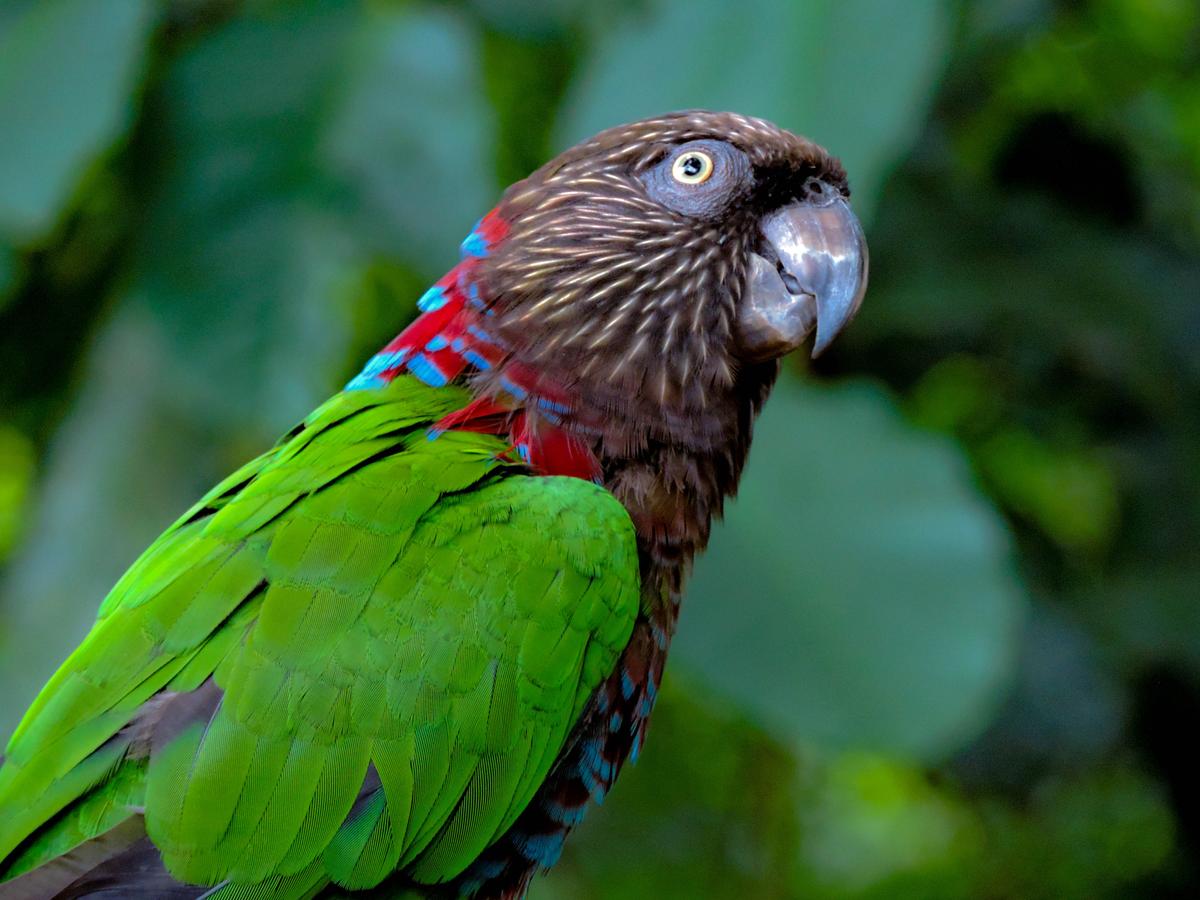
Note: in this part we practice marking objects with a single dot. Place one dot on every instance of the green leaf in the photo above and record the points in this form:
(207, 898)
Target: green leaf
(304, 146)
(1088, 335)
(871, 822)
(17, 465)
(418, 161)
(854, 75)
(540, 20)
(293, 151)
(8, 273)
(860, 592)
(68, 70)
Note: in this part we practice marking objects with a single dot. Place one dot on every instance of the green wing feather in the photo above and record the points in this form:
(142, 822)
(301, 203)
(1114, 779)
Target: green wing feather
(374, 606)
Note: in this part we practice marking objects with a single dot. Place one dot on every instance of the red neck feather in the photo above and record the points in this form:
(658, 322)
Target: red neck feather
(449, 341)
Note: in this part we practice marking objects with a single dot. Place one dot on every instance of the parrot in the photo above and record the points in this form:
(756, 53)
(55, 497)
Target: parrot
(400, 653)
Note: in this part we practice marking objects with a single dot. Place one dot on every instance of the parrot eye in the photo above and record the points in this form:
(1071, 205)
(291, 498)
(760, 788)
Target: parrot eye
(700, 179)
(692, 167)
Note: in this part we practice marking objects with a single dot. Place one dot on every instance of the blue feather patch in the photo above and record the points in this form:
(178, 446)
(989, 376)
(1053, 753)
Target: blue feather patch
(544, 849)
(476, 360)
(380, 362)
(475, 245)
(434, 298)
(591, 752)
(660, 635)
(476, 332)
(567, 815)
(426, 369)
(364, 383)
(627, 684)
(517, 392)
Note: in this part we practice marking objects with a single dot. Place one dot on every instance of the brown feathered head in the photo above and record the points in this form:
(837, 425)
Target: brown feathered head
(621, 313)
(659, 259)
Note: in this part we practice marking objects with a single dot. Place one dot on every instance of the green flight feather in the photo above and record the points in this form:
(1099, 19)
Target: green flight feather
(371, 604)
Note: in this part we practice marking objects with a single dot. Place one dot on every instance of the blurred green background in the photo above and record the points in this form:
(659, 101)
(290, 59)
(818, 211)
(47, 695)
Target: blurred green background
(947, 644)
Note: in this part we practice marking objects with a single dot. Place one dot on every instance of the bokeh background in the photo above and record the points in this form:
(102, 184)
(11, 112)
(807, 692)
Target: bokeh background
(947, 644)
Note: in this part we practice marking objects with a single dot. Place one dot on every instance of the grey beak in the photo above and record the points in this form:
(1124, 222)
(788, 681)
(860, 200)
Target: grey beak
(818, 277)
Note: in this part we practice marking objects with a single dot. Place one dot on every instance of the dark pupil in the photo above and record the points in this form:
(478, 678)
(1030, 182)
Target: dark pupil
(692, 166)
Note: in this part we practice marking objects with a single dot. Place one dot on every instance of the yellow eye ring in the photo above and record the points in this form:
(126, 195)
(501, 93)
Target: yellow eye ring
(692, 167)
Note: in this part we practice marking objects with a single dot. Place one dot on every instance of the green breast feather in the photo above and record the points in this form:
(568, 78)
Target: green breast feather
(368, 606)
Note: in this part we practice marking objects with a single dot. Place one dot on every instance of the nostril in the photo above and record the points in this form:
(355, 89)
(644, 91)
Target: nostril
(815, 190)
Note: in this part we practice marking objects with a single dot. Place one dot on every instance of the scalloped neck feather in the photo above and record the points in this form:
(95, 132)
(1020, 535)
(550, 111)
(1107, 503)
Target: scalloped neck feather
(450, 340)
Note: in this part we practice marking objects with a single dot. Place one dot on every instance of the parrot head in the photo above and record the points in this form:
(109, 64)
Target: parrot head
(661, 259)
(621, 313)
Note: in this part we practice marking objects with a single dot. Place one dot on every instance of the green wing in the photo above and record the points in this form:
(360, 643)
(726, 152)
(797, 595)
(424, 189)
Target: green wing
(362, 651)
